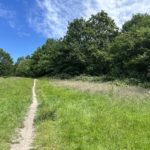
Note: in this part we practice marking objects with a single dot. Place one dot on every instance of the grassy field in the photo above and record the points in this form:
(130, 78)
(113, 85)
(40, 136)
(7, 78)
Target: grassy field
(15, 97)
(69, 118)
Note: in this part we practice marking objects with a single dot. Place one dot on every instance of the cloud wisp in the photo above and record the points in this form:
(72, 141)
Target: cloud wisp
(119, 10)
(51, 17)
(10, 17)
(7, 15)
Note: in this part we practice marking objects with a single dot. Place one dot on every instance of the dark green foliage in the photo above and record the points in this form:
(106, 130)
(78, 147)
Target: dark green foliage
(6, 63)
(68, 61)
(87, 41)
(130, 53)
(138, 21)
(23, 67)
(42, 59)
(73, 51)
(102, 30)
(81, 50)
(93, 47)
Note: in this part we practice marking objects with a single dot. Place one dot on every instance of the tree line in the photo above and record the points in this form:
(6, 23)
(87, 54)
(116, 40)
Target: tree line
(92, 47)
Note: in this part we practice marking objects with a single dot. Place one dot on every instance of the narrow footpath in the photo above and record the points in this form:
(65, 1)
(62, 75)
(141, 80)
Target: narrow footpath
(26, 134)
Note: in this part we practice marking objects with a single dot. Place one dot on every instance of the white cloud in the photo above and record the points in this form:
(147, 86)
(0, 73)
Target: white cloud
(50, 17)
(119, 10)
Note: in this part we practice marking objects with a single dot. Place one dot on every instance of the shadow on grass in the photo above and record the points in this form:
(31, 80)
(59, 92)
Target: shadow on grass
(46, 115)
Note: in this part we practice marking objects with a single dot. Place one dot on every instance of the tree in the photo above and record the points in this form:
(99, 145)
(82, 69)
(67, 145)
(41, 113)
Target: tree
(102, 30)
(68, 60)
(131, 54)
(99, 32)
(6, 63)
(96, 47)
(42, 58)
(75, 32)
(138, 21)
(87, 41)
(73, 48)
(23, 67)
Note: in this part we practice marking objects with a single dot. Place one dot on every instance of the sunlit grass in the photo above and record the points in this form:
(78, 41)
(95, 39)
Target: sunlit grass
(15, 97)
(70, 119)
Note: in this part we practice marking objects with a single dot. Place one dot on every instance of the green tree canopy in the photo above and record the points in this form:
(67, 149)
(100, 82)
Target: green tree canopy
(131, 54)
(86, 41)
(102, 29)
(6, 63)
(95, 47)
(138, 21)
(42, 58)
(23, 67)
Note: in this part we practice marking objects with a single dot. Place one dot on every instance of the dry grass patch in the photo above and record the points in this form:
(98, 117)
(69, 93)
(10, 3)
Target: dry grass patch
(107, 87)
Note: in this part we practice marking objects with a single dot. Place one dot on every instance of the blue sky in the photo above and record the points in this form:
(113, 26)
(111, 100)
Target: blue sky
(26, 24)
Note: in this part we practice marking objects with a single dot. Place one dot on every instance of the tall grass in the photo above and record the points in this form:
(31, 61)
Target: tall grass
(69, 119)
(15, 97)
(106, 78)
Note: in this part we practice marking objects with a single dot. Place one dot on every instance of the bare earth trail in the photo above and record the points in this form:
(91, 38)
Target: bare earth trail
(26, 134)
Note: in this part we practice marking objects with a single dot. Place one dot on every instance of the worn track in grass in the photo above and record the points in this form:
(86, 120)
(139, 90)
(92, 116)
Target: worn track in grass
(26, 134)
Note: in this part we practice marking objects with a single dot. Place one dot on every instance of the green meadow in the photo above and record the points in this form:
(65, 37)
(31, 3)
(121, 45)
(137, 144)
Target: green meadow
(74, 119)
(15, 98)
(71, 116)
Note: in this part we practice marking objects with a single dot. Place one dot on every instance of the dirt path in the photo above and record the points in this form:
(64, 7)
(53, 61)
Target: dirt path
(26, 134)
